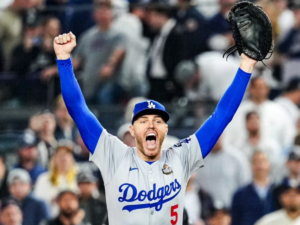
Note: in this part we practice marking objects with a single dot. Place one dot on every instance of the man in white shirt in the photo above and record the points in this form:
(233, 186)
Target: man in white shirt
(290, 214)
(275, 122)
(291, 99)
(224, 172)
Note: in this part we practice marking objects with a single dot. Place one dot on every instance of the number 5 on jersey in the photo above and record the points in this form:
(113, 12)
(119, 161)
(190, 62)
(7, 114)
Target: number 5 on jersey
(174, 214)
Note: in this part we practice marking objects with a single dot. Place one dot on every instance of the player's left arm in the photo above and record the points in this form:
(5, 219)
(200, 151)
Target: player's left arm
(210, 131)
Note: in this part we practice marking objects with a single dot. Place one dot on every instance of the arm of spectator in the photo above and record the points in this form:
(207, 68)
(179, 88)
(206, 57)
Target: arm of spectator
(210, 131)
(115, 60)
(89, 127)
(49, 72)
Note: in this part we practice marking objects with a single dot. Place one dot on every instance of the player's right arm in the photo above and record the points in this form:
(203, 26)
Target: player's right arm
(88, 125)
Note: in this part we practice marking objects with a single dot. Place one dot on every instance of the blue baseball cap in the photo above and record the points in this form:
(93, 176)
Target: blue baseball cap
(149, 107)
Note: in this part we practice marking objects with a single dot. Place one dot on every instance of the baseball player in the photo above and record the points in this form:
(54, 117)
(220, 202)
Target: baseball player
(145, 185)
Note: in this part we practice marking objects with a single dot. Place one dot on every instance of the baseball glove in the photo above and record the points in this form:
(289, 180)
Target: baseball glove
(251, 30)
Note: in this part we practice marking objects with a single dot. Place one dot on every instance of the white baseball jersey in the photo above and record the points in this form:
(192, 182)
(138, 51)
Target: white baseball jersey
(141, 194)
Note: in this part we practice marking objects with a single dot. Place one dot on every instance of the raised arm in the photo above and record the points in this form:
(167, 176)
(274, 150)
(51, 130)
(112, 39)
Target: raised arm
(210, 131)
(88, 125)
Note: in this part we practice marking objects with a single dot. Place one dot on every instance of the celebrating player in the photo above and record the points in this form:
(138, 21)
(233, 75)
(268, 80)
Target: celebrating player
(145, 185)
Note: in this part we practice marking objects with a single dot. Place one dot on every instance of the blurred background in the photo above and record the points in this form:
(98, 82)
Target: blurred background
(127, 51)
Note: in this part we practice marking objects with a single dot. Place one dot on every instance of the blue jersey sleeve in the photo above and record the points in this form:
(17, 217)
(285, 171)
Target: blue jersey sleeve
(210, 131)
(88, 125)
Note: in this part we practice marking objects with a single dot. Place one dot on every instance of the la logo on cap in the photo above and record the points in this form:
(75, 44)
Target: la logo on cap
(151, 105)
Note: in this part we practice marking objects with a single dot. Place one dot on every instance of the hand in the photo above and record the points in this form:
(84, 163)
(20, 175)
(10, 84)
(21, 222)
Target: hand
(78, 217)
(63, 45)
(106, 71)
(36, 123)
(247, 64)
(49, 72)
(28, 43)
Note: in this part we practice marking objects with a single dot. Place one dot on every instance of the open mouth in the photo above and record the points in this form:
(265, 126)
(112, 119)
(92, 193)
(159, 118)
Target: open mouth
(151, 140)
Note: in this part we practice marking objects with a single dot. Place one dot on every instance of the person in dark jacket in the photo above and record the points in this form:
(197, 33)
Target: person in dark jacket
(167, 50)
(293, 165)
(34, 210)
(90, 200)
(4, 192)
(255, 200)
(69, 210)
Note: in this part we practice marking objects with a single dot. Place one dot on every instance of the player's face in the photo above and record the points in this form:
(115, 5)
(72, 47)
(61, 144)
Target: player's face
(149, 132)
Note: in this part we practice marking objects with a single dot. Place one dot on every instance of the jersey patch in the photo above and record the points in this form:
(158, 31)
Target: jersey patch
(167, 169)
(130, 194)
(186, 140)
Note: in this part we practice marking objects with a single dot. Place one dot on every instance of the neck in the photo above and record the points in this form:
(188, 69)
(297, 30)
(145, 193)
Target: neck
(65, 124)
(63, 171)
(258, 101)
(47, 137)
(293, 215)
(184, 5)
(294, 176)
(261, 181)
(147, 158)
(64, 220)
(28, 164)
(104, 27)
(254, 133)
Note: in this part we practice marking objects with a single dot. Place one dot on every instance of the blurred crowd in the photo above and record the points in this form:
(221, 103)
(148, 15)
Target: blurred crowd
(170, 51)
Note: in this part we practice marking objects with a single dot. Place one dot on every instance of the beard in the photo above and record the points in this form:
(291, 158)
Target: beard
(292, 208)
(140, 139)
(67, 213)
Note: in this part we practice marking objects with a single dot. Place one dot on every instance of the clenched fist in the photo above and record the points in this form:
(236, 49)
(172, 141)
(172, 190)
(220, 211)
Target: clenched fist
(63, 45)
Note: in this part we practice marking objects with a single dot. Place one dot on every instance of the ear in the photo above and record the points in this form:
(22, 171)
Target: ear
(131, 130)
(167, 129)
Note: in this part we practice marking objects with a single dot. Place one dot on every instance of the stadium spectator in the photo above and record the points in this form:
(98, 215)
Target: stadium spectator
(69, 211)
(254, 141)
(197, 203)
(219, 216)
(100, 53)
(11, 29)
(33, 61)
(290, 214)
(167, 50)
(65, 128)
(51, 27)
(90, 200)
(288, 43)
(281, 130)
(221, 179)
(34, 210)
(286, 17)
(28, 157)
(43, 125)
(133, 77)
(124, 135)
(81, 155)
(291, 99)
(288, 46)
(293, 176)
(191, 23)
(11, 213)
(253, 201)
(4, 192)
(202, 80)
(220, 33)
(61, 176)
